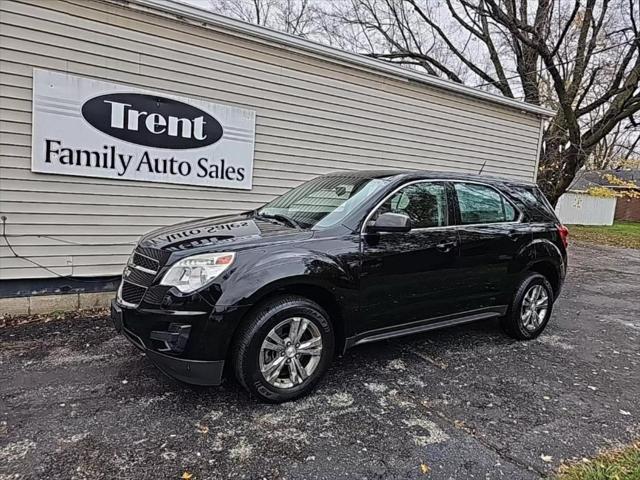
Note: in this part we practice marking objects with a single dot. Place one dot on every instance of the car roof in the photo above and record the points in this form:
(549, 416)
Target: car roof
(430, 174)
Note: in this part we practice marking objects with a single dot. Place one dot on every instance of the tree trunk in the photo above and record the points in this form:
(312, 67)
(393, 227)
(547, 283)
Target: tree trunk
(558, 168)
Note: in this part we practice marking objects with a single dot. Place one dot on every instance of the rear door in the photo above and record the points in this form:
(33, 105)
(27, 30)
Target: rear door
(491, 235)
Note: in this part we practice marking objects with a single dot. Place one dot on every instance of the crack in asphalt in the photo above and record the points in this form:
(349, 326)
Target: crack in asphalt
(498, 451)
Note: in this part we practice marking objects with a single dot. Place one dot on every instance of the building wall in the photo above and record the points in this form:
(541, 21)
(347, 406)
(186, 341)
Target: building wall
(584, 209)
(314, 115)
(628, 209)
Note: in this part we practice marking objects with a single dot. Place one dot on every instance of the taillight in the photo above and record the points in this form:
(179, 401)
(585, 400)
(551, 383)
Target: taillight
(564, 235)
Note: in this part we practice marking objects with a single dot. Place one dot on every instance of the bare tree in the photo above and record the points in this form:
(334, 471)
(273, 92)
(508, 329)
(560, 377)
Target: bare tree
(620, 149)
(580, 58)
(297, 17)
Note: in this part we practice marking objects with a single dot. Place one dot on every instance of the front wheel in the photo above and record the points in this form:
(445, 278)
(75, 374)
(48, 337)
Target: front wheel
(284, 349)
(530, 308)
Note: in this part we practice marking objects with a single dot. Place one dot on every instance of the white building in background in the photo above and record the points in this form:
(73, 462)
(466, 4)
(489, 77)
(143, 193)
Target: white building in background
(580, 208)
(107, 109)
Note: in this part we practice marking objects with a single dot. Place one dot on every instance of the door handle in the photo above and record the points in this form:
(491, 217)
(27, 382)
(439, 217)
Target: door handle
(445, 246)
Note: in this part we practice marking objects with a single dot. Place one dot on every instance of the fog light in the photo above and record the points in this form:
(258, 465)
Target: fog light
(174, 339)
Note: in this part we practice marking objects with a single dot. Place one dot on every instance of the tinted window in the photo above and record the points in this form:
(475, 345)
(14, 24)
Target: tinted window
(424, 203)
(482, 204)
(538, 207)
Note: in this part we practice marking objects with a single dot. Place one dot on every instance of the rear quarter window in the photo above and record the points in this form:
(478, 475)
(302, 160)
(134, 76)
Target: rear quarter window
(535, 204)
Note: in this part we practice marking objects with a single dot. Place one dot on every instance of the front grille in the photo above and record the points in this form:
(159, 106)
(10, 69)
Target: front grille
(132, 293)
(139, 275)
(144, 279)
(145, 262)
(161, 256)
(156, 294)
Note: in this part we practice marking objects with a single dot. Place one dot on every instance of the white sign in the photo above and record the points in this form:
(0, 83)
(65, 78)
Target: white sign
(92, 128)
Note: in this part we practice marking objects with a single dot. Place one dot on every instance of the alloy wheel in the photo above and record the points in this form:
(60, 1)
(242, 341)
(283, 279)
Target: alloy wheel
(535, 305)
(290, 352)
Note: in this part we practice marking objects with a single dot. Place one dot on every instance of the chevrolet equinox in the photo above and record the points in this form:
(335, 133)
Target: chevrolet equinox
(271, 295)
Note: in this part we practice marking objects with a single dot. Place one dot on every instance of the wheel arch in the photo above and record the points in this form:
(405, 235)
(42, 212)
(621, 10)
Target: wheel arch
(544, 257)
(320, 294)
(548, 269)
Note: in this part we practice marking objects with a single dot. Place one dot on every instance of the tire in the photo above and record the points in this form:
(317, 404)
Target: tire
(250, 356)
(517, 323)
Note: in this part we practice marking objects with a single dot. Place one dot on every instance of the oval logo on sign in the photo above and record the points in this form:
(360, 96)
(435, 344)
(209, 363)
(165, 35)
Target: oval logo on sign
(152, 121)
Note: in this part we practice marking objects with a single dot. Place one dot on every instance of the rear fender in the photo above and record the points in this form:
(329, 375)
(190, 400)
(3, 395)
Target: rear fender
(540, 251)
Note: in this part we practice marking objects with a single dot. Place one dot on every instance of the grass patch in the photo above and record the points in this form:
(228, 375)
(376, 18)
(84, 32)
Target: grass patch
(619, 464)
(620, 234)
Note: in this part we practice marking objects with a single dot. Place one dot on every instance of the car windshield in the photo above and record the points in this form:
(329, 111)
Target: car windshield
(321, 202)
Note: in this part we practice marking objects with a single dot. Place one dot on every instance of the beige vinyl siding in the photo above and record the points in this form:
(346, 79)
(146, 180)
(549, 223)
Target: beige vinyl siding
(314, 115)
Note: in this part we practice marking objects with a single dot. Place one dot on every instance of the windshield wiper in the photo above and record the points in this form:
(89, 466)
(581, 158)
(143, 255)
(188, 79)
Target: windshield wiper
(282, 218)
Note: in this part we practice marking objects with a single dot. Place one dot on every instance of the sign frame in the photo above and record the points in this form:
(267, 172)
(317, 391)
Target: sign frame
(93, 128)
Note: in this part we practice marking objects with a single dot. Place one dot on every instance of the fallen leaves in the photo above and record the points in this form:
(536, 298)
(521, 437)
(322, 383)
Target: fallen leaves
(460, 425)
(18, 320)
(186, 475)
(424, 468)
(620, 234)
(203, 429)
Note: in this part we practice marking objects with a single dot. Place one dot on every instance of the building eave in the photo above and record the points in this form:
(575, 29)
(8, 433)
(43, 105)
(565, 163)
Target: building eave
(182, 11)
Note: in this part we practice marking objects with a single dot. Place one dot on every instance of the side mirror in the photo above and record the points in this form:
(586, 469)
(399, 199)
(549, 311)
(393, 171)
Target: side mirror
(391, 222)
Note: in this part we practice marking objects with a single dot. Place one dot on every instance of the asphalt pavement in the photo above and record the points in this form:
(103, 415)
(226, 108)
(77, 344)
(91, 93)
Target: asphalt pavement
(78, 402)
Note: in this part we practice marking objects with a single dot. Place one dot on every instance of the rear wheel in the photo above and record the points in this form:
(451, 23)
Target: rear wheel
(530, 308)
(284, 349)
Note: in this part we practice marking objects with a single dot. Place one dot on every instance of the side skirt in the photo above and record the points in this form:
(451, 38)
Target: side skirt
(424, 326)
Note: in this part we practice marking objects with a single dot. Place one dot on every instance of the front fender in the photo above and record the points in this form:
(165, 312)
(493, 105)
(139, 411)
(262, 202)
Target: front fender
(277, 270)
(305, 269)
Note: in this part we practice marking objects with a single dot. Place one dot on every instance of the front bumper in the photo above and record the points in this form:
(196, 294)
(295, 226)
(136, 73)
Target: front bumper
(196, 372)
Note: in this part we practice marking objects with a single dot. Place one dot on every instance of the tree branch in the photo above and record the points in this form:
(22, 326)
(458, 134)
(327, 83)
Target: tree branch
(566, 28)
(474, 68)
(536, 42)
(622, 107)
(614, 89)
(495, 58)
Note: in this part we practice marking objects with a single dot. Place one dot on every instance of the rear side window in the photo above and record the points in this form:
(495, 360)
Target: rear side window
(424, 203)
(538, 206)
(483, 204)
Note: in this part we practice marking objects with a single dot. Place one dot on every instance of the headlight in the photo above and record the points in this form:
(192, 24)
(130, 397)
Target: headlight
(192, 273)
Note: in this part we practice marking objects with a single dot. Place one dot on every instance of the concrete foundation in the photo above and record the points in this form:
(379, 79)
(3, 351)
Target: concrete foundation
(43, 304)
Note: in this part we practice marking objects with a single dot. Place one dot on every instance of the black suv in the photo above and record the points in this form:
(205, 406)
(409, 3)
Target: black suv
(344, 259)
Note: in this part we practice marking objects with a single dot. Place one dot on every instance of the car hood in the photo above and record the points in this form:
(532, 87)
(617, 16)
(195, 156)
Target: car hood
(226, 231)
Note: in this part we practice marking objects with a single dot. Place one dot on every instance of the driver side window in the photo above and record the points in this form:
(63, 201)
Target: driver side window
(424, 203)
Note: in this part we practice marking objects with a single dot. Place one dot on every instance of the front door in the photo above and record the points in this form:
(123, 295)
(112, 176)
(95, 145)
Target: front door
(406, 277)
